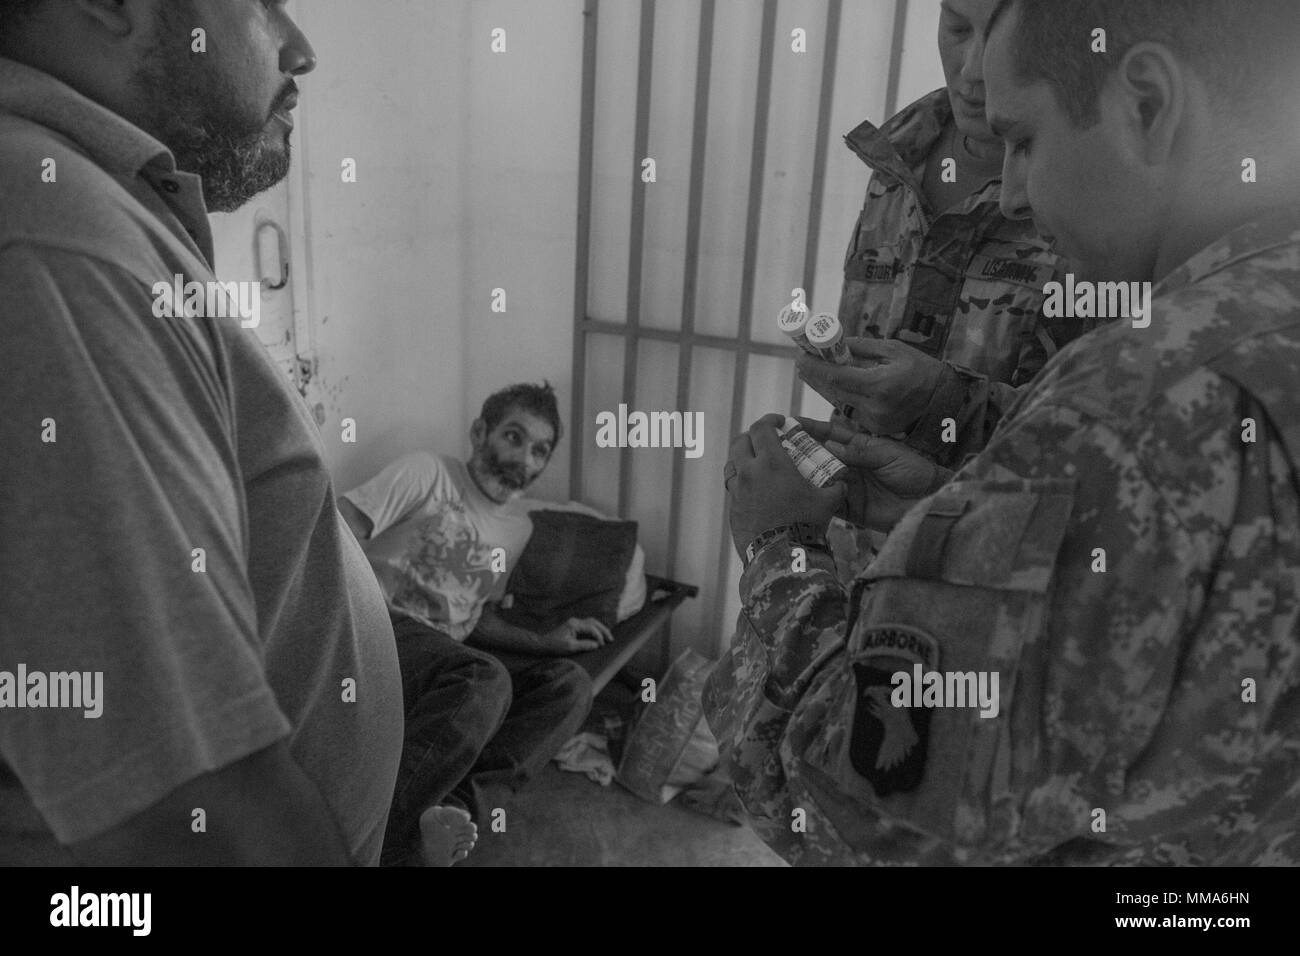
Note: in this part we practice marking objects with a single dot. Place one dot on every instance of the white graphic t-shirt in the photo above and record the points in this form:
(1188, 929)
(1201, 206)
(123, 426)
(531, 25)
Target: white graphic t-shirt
(434, 538)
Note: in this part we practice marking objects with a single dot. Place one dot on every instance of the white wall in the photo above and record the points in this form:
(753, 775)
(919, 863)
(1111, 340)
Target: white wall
(922, 70)
(520, 205)
(387, 254)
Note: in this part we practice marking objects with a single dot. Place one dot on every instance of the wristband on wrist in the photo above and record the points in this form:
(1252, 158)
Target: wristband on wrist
(803, 534)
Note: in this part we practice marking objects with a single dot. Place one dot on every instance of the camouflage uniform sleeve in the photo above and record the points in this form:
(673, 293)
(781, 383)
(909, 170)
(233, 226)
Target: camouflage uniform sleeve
(791, 635)
(791, 623)
(1093, 682)
(1165, 597)
(976, 403)
(797, 616)
(973, 402)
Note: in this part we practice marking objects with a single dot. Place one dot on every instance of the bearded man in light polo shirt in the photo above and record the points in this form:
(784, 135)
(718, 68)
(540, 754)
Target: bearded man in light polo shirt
(131, 441)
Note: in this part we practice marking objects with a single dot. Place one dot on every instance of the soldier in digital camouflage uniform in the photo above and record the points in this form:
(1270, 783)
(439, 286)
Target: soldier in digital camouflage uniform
(1125, 553)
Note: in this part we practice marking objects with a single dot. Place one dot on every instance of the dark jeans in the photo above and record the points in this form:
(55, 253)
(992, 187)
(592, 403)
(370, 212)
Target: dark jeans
(477, 727)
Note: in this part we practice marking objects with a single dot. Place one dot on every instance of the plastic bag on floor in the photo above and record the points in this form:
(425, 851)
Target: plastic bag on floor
(671, 747)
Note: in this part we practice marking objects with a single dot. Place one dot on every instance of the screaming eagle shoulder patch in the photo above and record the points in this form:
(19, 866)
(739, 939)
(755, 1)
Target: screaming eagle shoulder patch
(888, 745)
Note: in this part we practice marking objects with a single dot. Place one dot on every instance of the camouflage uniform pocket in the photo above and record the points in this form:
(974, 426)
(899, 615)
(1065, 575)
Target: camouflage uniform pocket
(998, 311)
(960, 590)
(870, 285)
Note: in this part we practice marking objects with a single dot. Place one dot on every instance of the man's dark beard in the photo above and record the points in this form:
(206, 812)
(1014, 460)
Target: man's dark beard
(234, 170)
(512, 478)
(194, 113)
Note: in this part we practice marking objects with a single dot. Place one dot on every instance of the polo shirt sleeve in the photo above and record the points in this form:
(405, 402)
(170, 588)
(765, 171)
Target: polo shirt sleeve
(123, 547)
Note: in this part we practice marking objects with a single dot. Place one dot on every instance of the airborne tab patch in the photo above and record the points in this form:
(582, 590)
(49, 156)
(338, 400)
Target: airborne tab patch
(889, 743)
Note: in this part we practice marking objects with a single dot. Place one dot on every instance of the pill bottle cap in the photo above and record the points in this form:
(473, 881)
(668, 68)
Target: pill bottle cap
(824, 330)
(792, 320)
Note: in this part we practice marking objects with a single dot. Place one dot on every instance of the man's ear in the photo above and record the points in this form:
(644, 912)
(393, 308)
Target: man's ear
(1153, 84)
(478, 432)
(118, 17)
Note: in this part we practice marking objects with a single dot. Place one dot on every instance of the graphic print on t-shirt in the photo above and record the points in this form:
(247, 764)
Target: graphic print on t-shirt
(446, 570)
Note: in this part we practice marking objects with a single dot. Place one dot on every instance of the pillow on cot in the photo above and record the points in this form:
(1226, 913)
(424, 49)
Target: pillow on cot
(574, 565)
(634, 593)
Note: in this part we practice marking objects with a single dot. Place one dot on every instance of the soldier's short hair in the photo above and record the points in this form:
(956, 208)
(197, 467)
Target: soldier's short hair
(1241, 49)
(536, 400)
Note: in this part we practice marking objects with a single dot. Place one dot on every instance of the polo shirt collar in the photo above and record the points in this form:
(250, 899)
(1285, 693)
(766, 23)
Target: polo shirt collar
(116, 145)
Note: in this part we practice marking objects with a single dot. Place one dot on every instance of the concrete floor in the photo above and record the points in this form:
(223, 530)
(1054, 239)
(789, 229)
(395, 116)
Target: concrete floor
(564, 819)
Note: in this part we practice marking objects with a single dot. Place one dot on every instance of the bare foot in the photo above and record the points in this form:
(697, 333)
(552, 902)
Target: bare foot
(447, 835)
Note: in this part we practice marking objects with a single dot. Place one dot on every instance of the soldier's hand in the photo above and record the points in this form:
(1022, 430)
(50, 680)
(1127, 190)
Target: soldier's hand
(886, 477)
(889, 383)
(767, 490)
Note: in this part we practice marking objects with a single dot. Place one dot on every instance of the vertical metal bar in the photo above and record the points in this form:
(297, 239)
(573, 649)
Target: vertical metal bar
(896, 58)
(821, 150)
(757, 174)
(694, 203)
(644, 82)
(796, 392)
(582, 263)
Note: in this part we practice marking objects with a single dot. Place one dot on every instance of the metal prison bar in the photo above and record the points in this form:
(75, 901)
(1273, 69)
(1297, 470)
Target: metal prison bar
(686, 338)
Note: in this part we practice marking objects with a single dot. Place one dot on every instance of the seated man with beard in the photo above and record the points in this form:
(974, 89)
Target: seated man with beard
(441, 535)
